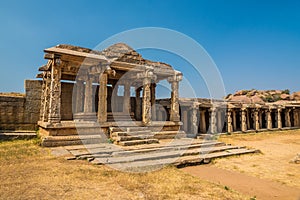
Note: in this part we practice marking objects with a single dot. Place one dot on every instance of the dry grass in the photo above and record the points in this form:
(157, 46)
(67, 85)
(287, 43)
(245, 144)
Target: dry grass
(278, 148)
(30, 172)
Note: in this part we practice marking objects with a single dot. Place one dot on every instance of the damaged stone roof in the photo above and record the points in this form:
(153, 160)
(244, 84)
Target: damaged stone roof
(117, 52)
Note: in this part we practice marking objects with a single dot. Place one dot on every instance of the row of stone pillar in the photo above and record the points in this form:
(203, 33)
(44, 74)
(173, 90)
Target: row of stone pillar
(214, 120)
(51, 96)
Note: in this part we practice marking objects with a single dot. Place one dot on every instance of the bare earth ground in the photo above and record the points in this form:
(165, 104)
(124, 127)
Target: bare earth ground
(31, 172)
(268, 175)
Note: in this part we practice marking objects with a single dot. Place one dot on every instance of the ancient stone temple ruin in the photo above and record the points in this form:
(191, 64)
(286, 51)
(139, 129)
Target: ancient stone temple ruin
(90, 96)
(80, 91)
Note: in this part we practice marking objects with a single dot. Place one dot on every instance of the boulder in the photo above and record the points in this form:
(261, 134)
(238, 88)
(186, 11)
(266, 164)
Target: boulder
(295, 96)
(285, 97)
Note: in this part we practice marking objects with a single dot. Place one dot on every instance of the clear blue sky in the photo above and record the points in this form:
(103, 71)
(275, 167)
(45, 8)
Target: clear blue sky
(255, 44)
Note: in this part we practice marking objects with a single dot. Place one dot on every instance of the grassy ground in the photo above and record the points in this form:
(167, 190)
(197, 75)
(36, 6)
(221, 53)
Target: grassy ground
(31, 172)
(278, 149)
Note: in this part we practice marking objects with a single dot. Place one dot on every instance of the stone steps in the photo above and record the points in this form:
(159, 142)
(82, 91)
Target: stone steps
(134, 137)
(120, 117)
(183, 161)
(138, 142)
(169, 134)
(168, 148)
(133, 133)
(182, 153)
(129, 136)
(54, 141)
(168, 154)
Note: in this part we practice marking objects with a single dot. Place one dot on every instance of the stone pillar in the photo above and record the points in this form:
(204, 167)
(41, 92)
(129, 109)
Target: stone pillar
(114, 97)
(229, 121)
(269, 119)
(44, 111)
(260, 118)
(138, 103)
(160, 114)
(147, 76)
(213, 128)
(174, 111)
(287, 118)
(102, 104)
(126, 98)
(88, 95)
(79, 96)
(296, 119)
(202, 121)
(234, 120)
(185, 120)
(279, 121)
(153, 87)
(194, 119)
(219, 121)
(55, 94)
(256, 119)
(248, 118)
(244, 120)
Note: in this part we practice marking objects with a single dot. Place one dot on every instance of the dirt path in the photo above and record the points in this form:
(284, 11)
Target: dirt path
(261, 188)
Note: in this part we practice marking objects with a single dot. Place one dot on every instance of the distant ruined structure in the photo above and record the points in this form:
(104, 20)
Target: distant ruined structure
(79, 93)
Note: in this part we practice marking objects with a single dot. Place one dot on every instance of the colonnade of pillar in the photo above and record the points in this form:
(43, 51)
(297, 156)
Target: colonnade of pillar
(217, 120)
(51, 98)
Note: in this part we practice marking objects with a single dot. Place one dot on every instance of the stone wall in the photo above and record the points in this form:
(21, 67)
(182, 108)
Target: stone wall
(19, 112)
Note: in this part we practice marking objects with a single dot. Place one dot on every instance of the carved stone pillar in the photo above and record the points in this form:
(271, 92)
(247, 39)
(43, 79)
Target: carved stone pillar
(244, 120)
(55, 94)
(256, 119)
(260, 114)
(185, 120)
(194, 119)
(229, 121)
(202, 121)
(279, 121)
(160, 114)
(153, 87)
(79, 96)
(248, 113)
(147, 76)
(213, 127)
(287, 118)
(269, 119)
(44, 111)
(174, 111)
(138, 103)
(234, 120)
(219, 121)
(114, 97)
(126, 98)
(88, 95)
(296, 117)
(102, 104)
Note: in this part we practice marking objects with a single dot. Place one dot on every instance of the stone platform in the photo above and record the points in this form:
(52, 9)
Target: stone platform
(13, 135)
(75, 133)
(179, 152)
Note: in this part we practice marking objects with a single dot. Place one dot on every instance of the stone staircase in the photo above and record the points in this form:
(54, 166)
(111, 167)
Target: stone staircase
(85, 136)
(119, 116)
(128, 136)
(67, 140)
(181, 153)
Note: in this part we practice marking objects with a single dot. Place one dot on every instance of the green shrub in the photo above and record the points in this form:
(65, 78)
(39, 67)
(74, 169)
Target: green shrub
(287, 91)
